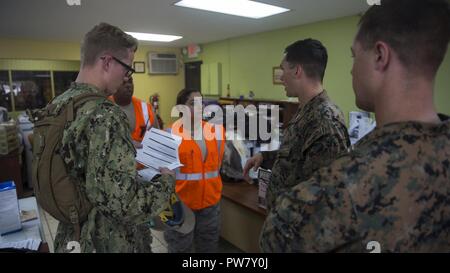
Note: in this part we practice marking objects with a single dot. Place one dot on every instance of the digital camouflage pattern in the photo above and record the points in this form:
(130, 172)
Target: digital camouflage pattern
(394, 188)
(313, 138)
(99, 154)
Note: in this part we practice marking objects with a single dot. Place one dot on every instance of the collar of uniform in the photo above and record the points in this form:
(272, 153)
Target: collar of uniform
(413, 128)
(317, 98)
(87, 88)
(443, 117)
(310, 104)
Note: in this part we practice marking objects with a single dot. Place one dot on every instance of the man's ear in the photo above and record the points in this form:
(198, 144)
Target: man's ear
(298, 71)
(105, 63)
(383, 55)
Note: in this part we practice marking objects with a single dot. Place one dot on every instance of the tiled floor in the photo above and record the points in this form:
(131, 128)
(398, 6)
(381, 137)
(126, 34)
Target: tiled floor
(50, 225)
(159, 245)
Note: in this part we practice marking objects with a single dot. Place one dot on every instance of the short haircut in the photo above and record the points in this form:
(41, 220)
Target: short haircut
(184, 94)
(417, 30)
(105, 38)
(311, 55)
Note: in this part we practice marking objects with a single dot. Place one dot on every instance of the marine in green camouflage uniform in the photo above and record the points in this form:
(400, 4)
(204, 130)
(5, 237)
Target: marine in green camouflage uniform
(392, 189)
(314, 137)
(100, 155)
(392, 192)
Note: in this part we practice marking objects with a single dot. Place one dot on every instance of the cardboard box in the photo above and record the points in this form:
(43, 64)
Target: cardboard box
(8, 138)
(9, 208)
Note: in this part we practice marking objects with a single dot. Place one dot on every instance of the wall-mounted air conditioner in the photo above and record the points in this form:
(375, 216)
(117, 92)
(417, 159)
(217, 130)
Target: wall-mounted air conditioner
(162, 63)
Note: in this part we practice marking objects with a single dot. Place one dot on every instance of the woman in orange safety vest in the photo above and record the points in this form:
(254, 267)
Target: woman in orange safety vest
(198, 182)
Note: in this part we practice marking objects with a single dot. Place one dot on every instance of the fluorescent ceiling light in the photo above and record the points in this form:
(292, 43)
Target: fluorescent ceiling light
(243, 8)
(154, 37)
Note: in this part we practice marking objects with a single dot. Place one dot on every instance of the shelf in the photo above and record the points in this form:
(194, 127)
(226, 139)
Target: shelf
(287, 109)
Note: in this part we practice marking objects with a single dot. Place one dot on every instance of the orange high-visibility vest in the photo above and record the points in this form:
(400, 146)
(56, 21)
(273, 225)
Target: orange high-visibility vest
(141, 117)
(198, 182)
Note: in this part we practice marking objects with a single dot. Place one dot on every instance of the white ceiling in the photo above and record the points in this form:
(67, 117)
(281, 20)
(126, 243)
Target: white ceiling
(56, 20)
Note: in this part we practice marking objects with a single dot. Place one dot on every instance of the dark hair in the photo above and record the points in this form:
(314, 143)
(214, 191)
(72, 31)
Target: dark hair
(311, 55)
(105, 38)
(417, 30)
(184, 94)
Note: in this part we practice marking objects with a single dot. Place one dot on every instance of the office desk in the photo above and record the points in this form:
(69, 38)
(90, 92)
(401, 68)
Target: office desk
(31, 229)
(242, 218)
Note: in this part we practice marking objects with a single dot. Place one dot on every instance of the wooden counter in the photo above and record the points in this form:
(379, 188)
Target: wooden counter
(242, 218)
(244, 194)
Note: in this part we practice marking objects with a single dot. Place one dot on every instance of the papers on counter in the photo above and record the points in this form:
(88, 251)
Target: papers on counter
(159, 149)
(31, 244)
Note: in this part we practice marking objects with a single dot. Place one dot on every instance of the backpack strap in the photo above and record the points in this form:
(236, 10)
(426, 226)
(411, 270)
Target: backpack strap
(74, 104)
(81, 99)
(78, 101)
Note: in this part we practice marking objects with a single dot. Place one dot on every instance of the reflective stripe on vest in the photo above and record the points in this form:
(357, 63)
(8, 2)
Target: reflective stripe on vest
(195, 176)
(145, 113)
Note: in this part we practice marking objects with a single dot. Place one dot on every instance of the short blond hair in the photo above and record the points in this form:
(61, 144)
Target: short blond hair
(105, 38)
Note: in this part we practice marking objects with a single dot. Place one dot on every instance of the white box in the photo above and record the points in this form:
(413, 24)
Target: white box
(9, 208)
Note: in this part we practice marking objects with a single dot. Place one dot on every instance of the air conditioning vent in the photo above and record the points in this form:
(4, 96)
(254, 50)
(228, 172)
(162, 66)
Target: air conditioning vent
(163, 63)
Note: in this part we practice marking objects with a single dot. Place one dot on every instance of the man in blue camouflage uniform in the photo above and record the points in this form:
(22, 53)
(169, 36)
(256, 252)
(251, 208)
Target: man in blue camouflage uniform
(99, 153)
(393, 190)
(317, 134)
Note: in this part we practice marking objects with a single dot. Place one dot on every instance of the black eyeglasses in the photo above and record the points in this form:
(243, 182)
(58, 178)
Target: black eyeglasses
(130, 70)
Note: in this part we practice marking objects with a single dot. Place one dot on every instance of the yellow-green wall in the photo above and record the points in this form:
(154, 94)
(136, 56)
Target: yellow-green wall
(167, 86)
(39, 65)
(247, 62)
(55, 54)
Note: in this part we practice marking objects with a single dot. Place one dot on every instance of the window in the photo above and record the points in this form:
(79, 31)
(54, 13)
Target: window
(5, 90)
(62, 80)
(31, 89)
(30, 84)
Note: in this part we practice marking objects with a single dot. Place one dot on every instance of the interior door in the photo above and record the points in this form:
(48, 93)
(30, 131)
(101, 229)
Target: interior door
(192, 74)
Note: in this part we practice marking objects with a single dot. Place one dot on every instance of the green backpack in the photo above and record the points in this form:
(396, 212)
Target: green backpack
(56, 192)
